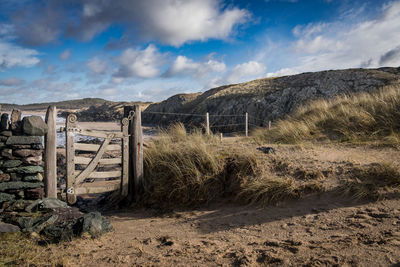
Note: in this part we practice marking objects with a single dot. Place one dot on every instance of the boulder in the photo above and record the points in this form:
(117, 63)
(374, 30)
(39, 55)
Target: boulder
(94, 224)
(26, 169)
(4, 122)
(16, 115)
(18, 185)
(34, 125)
(46, 204)
(8, 228)
(6, 197)
(5, 177)
(11, 163)
(25, 153)
(33, 178)
(6, 133)
(33, 160)
(24, 140)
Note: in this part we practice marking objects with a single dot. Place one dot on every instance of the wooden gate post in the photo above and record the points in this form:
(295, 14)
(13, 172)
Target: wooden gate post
(70, 157)
(136, 144)
(207, 123)
(125, 158)
(50, 154)
(247, 124)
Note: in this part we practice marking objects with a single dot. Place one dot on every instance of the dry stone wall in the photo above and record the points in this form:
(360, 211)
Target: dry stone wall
(21, 160)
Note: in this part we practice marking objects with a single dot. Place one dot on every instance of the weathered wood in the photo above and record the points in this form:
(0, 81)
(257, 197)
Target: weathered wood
(247, 124)
(85, 161)
(136, 186)
(93, 163)
(220, 137)
(95, 148)
(98, 187)
(99, 134)
(110, 174)
(50, 154)
(125, 158)
(207, 123)
(269, 125)
(70, 155)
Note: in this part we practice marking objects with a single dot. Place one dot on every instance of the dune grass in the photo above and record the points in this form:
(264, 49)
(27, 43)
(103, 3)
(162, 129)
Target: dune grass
(366, 182)
(189, 169)
(359, 118)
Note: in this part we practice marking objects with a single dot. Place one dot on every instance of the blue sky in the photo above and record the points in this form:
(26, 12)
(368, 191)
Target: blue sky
(131, 50)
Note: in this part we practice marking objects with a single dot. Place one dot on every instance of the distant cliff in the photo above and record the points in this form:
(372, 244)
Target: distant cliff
(268, 98)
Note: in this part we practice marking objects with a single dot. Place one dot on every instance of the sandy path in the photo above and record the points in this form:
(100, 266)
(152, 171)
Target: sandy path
(315, 232)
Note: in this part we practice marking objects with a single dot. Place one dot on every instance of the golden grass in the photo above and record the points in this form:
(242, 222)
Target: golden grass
(189, 169)
(359, 118)
(18, 249)
(367, 181)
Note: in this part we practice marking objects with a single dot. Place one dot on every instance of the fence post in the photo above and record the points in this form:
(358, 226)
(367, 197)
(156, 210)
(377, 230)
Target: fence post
(50, 154)
(269, 125)
(207, 123)
(247, 124)
(220, 137)
(136, 141)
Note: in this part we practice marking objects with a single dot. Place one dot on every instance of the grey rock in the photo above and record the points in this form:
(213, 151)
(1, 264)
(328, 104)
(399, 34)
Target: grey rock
(6, 133)
(7, 153)
(16, 205)
(26, 169)
(33, 160)
(46, 204)
(11, 163)
(8, 228)
(39, 225)
(24, 140)
(5, 177)
(18, 185)
(27, 153)
(6, 197)
(34, 125)
(16, 115)
(4, 122)
(94, 224)
(33, 178)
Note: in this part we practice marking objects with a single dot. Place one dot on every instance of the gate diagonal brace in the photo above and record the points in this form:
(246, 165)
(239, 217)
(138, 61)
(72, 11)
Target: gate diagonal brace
(92, 165)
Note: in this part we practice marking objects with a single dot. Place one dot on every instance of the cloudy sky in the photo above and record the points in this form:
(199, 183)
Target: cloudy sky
(136, 50)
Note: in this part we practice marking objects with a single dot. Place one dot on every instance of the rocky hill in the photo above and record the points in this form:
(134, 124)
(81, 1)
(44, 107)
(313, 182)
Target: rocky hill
(269, 98)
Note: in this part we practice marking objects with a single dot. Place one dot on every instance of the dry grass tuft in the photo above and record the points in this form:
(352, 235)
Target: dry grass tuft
(188, 169)
(359, 118)
(368, 180)
(268, 190)
(17, 249)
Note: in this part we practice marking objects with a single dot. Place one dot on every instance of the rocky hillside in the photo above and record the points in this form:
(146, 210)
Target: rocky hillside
(269, 98)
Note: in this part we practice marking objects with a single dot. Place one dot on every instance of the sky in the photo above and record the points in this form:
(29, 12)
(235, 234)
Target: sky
(136, 50)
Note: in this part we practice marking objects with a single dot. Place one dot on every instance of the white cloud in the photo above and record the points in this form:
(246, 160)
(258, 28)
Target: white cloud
(246, 71)
(97, 66)
(12, 55)
(139, 63)
(186, 66)
(369, 43)
(173, 22)
(65, 55)
(11, 82)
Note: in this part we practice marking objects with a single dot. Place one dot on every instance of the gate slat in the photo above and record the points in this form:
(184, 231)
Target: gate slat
(95, 148)
(84, 161)
(93, 188)
(110, 174)
(93, 163)
(92, 133)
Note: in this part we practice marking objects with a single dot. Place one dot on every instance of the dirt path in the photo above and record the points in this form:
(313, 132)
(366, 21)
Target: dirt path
(321, 230)
(314, 232)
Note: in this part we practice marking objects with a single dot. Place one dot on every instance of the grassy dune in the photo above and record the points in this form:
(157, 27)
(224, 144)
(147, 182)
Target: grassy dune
(359, 118)
(190, 169)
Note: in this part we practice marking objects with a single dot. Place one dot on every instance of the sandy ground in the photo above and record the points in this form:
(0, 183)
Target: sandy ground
(324, 229)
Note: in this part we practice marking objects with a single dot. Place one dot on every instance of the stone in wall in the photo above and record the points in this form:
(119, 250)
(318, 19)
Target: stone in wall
(21, 163)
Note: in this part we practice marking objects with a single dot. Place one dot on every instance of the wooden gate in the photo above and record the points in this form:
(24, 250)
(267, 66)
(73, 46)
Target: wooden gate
(89, 180)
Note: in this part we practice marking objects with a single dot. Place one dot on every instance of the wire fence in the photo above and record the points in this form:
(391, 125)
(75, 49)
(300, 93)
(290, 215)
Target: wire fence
(228, 124)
